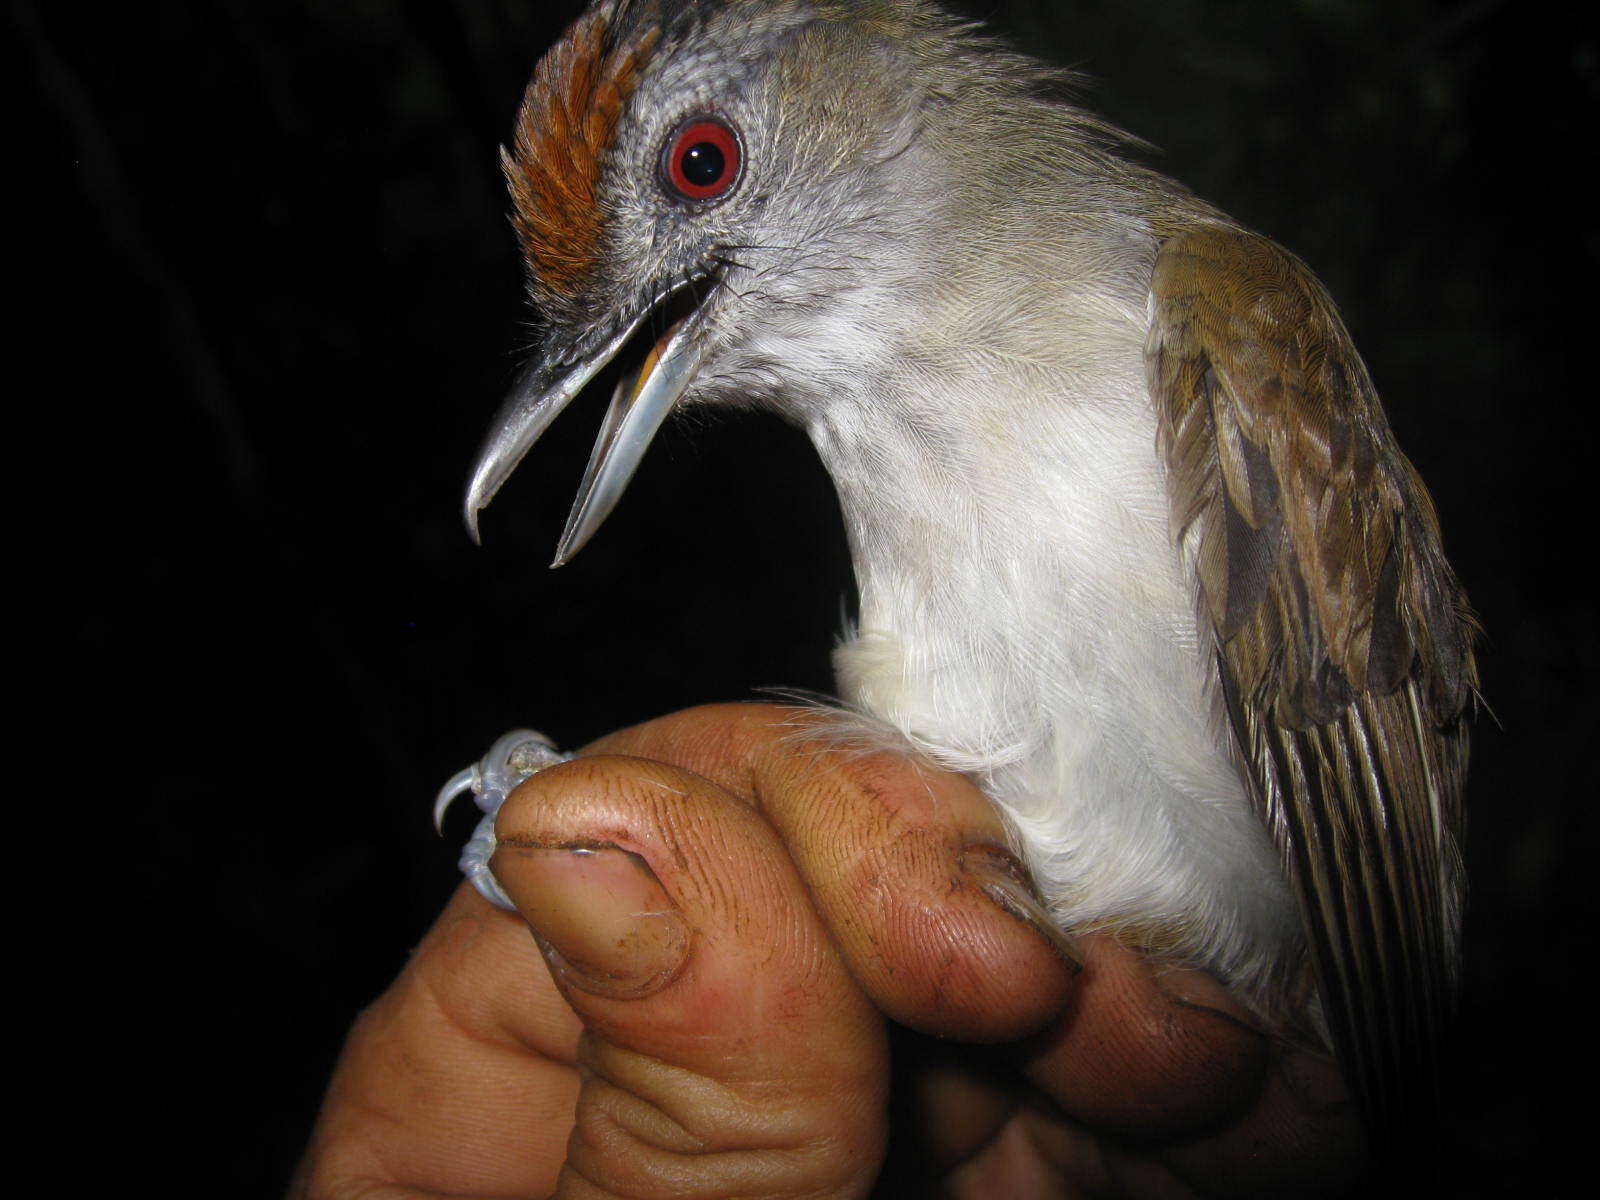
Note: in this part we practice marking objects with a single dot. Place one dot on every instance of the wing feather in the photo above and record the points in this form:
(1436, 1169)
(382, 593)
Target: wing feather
(1343, 641)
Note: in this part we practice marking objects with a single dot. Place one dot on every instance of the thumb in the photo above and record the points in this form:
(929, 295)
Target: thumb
(726, 1050)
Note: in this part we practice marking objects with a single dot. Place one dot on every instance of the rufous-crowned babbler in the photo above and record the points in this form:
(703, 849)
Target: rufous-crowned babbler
(1135, 546)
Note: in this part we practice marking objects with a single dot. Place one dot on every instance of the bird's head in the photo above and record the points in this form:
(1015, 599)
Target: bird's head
(714, 193)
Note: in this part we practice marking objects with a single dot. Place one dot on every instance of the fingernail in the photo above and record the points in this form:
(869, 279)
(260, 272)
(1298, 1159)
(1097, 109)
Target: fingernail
(1202, 992)
(600, 915)
(1004, 880)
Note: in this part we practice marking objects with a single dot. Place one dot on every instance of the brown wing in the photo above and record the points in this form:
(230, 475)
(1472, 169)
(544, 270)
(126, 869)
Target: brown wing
(1343, 640)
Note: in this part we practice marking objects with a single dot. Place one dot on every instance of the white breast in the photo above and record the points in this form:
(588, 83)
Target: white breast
(1026, 617)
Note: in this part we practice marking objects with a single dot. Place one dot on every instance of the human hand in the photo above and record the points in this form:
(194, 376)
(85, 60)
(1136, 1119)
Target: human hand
(728, 915)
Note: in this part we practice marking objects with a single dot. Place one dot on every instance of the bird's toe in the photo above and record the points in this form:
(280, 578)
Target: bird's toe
(513, 757)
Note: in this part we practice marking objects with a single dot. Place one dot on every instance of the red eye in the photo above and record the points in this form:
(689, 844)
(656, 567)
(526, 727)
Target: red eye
(701, 160)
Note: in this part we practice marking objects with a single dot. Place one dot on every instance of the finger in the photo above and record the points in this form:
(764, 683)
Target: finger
(1143, 1051)
(1302, 1136)
(460, 1080)
(1149, 1050)
(908, 866)
(1166, 1062)
(726, 1049)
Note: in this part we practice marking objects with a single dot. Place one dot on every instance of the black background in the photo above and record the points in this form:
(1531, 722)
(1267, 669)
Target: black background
(282, 299)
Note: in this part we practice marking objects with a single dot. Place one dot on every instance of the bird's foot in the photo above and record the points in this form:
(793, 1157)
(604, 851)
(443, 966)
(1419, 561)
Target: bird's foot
(513, 757)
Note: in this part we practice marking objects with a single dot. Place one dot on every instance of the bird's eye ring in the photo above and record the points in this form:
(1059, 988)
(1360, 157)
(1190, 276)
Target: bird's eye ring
(702, 158)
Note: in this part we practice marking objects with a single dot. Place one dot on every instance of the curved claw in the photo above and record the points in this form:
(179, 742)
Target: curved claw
(474, 864)
(466, 779)
(513, 757)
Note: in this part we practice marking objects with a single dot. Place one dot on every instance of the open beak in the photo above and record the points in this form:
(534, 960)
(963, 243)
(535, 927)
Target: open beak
(643, 398)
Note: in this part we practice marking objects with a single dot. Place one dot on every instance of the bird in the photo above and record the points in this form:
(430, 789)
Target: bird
(1135, 546)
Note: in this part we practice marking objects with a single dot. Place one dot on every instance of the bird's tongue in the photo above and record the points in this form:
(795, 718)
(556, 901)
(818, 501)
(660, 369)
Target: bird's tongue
(650, 360)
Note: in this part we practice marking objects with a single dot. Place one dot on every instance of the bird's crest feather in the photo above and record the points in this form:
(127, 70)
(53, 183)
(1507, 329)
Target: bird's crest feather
(565, 127)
